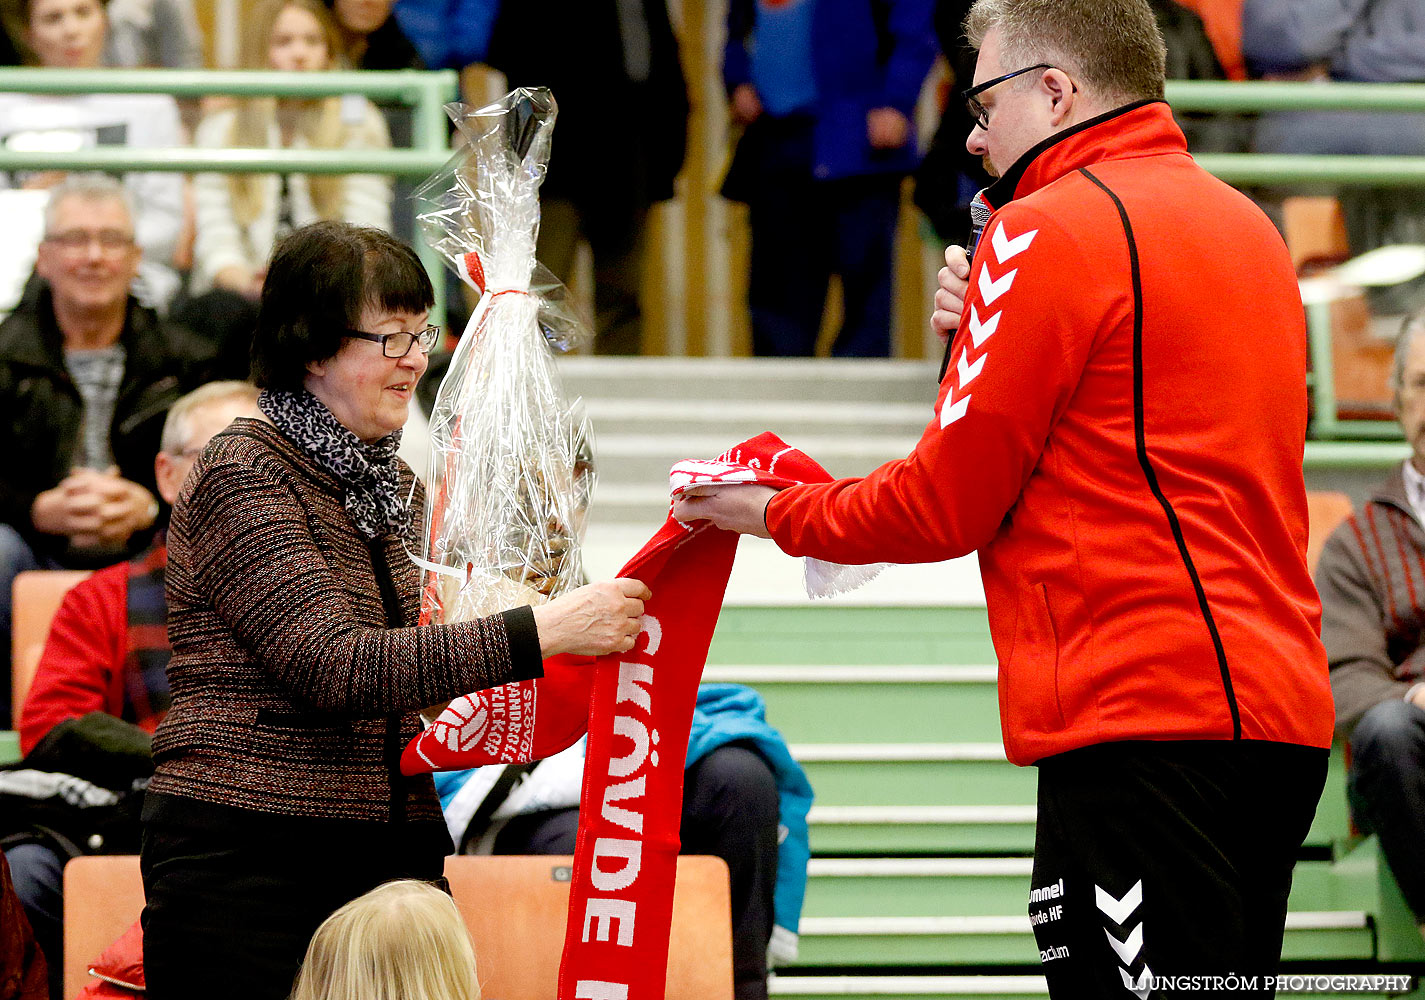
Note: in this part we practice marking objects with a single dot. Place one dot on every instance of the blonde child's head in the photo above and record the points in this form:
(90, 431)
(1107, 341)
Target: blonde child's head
(401, 941)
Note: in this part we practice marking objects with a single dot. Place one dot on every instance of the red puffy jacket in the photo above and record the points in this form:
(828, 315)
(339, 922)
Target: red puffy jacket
(1120, 435)
(118, 973)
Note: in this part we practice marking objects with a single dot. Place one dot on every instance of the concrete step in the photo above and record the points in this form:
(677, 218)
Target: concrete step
(768, 379)
(644, 459)
(737, 420)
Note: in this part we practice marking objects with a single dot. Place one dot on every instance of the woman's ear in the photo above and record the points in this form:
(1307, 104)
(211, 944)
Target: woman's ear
(317, 368)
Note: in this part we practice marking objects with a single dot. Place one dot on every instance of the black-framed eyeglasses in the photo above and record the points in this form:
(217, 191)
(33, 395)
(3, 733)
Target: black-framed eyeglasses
(978, 111)
(398, 345)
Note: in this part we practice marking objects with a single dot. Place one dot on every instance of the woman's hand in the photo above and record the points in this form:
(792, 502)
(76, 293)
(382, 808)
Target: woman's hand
(594, 620)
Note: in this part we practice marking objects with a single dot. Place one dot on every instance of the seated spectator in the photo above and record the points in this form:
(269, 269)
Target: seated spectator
(1380, 42)
(86, 374)
(70, 34)
(400, 941)
(741, 790)
(1372, 624)
(241, 216)
(372, 39)
(108, 645)
(154, 33)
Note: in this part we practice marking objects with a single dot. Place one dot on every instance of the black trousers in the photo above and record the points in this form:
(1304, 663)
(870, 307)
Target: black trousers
(730, 810)
(229, 914)
(1167, 859)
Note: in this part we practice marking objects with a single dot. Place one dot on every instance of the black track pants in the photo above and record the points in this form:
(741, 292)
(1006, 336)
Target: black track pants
(1158, 860)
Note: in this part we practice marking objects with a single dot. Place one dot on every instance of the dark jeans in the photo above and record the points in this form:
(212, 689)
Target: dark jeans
(1386, 786)
(803, 232)
(1167, 858)
(229, 914)
(730, 810)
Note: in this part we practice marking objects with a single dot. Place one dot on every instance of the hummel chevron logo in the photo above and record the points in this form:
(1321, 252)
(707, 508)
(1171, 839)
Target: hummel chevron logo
(993, 288)
(952, 412)
(1141, 986)
(1119, 910)
(980, 332)
(1005, 248)
(969, 371)
(1127, 950)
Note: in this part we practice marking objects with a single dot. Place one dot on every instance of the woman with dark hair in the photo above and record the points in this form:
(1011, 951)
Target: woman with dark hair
(371, 38)
(298, 670)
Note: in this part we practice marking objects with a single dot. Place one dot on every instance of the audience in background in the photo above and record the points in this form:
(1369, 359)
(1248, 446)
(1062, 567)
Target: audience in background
(400, 941)
(108, 645)
(826, 92)
(241, 216)
(70, 34)
(86, 375)
(1377, 42)
(1222, 19)
(371, 38)
(622, 129)
(153, 33)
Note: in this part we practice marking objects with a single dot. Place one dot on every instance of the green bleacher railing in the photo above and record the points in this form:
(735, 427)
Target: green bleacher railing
(425, 92)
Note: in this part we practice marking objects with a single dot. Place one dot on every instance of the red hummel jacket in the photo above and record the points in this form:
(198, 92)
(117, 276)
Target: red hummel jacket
(1119, 433)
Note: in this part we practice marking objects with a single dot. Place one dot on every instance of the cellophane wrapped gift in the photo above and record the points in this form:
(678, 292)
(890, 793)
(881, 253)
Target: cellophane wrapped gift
(512, 464)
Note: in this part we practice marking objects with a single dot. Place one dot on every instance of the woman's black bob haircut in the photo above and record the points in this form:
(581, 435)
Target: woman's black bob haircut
(320, 279)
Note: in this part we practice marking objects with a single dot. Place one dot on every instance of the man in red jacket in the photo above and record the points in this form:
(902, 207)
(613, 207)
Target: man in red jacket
(1119, 433)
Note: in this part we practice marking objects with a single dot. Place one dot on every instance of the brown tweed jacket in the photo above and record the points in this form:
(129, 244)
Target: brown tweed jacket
(291, 695)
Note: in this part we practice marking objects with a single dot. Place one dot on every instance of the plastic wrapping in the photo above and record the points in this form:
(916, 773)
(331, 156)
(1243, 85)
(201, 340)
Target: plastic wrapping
(511, 457)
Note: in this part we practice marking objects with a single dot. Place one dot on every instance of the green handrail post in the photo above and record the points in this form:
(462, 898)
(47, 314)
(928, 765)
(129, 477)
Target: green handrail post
(426, 93)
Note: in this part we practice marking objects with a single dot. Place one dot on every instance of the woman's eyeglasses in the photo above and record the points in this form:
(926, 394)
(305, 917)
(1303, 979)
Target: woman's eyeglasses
(398, 345)
(978, 111)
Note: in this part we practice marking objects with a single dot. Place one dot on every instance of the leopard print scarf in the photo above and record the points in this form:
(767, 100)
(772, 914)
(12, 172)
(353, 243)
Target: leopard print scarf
(368, 472)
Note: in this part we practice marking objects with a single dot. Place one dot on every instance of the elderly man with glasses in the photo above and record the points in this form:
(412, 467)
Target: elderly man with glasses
(86, 376)
(1127, 464)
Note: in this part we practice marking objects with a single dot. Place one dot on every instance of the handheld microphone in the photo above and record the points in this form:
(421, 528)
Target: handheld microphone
(980, 213)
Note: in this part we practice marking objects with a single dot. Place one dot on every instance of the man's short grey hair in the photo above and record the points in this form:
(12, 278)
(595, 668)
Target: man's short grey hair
(1112, 46)
(89, 187)
(1413, 327)
(178, 427)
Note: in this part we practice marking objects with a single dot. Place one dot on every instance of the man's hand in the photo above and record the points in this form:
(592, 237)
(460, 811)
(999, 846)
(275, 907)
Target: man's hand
(887, 128)
(740, 508)
(94, 509)
(745, 104)
(954, 280)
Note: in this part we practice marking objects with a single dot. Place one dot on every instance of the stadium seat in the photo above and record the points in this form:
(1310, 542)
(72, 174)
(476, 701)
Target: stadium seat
(513, 906)
(37, 595)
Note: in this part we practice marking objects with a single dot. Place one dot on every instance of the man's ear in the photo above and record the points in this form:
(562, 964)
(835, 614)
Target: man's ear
(165, 474)
(1062, 94)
